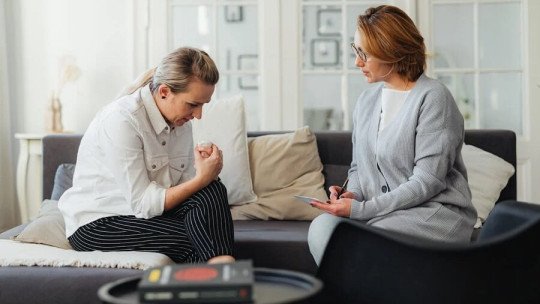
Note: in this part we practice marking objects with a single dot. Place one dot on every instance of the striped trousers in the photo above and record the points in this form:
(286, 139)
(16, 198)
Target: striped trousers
(195, 231)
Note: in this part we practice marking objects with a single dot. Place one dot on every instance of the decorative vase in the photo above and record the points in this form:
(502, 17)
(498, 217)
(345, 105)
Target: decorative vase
(54, 115)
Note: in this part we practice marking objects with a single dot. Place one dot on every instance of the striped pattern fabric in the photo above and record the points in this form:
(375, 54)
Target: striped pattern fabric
(198, 229)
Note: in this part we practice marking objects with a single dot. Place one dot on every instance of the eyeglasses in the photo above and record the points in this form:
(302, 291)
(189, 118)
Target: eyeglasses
(358, 51)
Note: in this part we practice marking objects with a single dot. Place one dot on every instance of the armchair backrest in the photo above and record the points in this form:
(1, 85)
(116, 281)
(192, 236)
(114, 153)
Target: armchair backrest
(509, 217)
(365, 264)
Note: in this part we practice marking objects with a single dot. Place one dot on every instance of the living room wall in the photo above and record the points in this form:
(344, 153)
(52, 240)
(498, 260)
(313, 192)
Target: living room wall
(97, 35)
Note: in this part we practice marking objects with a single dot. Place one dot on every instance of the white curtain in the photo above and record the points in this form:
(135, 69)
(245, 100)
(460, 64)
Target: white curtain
(9, 216)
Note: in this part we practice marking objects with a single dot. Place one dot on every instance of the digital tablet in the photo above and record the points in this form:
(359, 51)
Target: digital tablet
(307, 199)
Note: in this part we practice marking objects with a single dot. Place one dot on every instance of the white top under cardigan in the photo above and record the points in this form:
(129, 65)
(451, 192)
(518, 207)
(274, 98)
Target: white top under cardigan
(410, 177)
(127, 159)
(391, 103)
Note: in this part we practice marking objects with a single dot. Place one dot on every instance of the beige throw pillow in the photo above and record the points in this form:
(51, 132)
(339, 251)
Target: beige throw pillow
(48, 228)
(223, 123)
(284, 165)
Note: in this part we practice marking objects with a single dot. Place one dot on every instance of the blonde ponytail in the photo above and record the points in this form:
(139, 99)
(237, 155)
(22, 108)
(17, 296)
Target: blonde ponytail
(142, 80)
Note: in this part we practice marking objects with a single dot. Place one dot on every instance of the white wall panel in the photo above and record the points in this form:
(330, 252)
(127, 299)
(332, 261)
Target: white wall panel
(98, 34)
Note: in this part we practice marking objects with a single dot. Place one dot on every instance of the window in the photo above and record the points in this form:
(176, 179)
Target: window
(228, 31)
(290, 59)
(477, 52)
(331, 82)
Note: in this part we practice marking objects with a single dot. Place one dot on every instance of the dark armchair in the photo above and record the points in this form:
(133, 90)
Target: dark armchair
(363, 264)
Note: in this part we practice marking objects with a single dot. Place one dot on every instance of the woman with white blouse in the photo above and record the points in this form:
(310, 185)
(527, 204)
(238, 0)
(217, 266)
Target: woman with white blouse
(139, 184)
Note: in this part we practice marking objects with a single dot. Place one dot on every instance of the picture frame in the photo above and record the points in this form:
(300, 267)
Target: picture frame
(249, 62)
(325, 52)
(234, 13)
(329, 22)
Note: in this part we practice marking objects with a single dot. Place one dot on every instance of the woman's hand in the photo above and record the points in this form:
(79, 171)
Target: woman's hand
(338, 207)
(208, 163)
(205, 148)
(334, 190)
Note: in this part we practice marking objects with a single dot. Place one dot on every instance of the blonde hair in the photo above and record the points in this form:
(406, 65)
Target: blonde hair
(388, 33)
(177, 70)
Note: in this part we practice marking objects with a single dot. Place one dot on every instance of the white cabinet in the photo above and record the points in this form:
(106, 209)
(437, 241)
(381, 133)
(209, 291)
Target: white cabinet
(29, 175)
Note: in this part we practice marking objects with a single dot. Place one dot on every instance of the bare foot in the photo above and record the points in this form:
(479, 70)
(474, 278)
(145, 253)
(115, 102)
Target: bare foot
(221, 259)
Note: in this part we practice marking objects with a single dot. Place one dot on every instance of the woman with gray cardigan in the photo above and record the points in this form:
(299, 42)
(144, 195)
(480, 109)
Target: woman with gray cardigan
(407, 173)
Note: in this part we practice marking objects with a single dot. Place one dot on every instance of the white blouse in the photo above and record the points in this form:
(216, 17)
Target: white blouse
(127, 159)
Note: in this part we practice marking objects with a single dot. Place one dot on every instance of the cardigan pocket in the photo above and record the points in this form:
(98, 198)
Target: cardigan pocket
(427, 211)
(445, 215)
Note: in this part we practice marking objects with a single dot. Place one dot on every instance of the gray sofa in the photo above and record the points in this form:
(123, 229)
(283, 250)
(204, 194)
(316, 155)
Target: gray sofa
(275, 244)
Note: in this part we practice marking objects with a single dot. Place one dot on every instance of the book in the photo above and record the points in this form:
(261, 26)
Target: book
(198, 283)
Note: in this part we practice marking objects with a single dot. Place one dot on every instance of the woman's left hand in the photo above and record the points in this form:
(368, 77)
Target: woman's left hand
(338, 207)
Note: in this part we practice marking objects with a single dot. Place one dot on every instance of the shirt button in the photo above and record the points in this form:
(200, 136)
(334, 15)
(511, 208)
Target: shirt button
(163, 143)
(153, 166)
(166, 128)
(384, 189)
(182, 166)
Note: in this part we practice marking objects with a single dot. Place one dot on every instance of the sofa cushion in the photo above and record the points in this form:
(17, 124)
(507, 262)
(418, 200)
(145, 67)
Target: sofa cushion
(282, 166)
(48, 228)
(57, 284)
(275, 244)
(223, 123)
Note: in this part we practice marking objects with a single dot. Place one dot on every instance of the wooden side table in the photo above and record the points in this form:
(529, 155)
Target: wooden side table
(30, 150)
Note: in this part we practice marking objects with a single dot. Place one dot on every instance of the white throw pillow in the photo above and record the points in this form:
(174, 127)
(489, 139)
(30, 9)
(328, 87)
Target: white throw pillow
(223, 123)
(488, 174)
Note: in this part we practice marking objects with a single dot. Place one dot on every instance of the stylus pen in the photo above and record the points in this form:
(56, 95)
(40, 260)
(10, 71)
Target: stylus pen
(343, 188)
